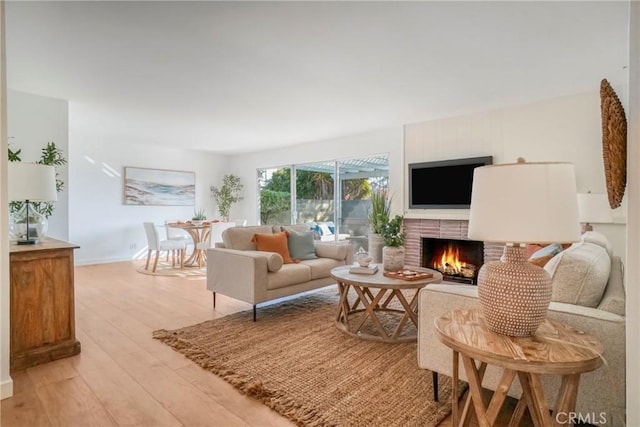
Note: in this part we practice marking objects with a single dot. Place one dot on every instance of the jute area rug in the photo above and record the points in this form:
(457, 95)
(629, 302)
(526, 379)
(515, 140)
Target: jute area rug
(294, 360)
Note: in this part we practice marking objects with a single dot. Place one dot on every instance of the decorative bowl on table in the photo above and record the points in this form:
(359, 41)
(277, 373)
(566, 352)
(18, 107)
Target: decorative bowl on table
(363, 259)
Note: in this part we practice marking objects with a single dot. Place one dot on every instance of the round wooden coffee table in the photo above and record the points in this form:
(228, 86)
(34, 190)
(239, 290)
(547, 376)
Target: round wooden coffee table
(373, 297)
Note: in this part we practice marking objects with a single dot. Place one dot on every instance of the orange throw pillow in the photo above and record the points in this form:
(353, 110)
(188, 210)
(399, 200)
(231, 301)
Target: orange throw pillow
(276, 242)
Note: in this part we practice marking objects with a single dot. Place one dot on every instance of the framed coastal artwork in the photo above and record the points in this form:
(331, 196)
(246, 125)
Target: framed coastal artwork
(159, 187)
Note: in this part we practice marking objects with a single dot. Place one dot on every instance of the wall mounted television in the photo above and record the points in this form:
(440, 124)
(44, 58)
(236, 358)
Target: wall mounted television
(443, 184)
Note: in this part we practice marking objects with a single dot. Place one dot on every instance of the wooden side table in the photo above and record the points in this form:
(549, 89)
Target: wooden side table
(555, 348)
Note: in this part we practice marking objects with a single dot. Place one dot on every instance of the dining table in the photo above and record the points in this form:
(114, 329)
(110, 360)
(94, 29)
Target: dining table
(199, 232)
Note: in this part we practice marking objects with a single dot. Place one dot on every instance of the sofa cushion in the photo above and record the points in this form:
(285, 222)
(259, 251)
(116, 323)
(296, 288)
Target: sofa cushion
(239, 238)
(598, 239)
(273, 242)
(301, 245)
(301, 228)
(579, 274)
(321, 267)
(288, 275)
(332, 250)
(274, 260)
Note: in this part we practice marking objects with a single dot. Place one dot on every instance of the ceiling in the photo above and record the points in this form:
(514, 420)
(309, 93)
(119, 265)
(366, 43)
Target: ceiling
(232, 77)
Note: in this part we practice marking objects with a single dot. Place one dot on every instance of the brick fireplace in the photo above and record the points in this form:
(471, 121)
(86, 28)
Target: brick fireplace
(417, 229)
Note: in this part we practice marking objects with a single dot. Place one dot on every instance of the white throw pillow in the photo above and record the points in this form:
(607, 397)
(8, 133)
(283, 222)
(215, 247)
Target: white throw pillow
(579, 274)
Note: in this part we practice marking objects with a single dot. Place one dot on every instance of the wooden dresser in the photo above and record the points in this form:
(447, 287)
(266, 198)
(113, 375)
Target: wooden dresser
(42, 303)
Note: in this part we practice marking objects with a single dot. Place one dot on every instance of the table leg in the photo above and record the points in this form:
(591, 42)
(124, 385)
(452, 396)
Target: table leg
(454, 390)
(567, 396)
(534, 397)
(475, 390)
(343, 305)
(370, 312)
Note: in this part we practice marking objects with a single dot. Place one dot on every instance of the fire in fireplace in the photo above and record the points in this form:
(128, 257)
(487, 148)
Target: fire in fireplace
(457, 260)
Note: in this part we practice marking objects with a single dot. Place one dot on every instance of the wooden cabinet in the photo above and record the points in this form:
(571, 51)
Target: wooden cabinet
(42, 303)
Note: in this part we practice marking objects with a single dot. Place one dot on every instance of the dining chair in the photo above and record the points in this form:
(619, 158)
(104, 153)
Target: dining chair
(239, 222)
(215, 235)
(155, 244)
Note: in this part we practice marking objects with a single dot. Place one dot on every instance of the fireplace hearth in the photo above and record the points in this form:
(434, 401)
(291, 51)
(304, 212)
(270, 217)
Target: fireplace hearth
(458, 260)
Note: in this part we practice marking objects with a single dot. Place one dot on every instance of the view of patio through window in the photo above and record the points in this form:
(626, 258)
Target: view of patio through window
(310, 194)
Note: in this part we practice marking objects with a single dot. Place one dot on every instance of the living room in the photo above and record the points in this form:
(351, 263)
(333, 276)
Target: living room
(561, 124)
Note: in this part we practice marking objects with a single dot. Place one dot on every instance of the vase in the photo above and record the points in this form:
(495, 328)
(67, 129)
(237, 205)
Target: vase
(393, 258)
(376, 242)
(514, 293)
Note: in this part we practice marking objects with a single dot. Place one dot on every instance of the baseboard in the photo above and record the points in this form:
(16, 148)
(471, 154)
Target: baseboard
(6, 389)
(79, 262)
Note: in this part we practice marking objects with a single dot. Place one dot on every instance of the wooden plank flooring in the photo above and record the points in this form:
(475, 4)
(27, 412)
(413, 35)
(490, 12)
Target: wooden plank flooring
(123, 377)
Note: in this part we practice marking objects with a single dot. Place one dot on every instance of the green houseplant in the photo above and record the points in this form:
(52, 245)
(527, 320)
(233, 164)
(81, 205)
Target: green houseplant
(198, 216)
(227, 194)
(378, 219)
(393, 250)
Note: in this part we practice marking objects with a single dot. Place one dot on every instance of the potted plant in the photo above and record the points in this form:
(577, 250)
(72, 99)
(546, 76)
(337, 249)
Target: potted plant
(393, 250)
(227, 194)
(198, 217)
(378, 219)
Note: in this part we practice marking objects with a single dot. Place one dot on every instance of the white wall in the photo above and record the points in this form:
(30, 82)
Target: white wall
(377, 142)
(633, 231)
(560, 129)
(105, 229)
(6, 383)
(33, 121)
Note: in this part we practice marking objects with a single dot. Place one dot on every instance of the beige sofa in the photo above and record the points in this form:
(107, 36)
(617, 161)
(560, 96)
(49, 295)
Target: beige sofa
(236, 269)
(601, 391)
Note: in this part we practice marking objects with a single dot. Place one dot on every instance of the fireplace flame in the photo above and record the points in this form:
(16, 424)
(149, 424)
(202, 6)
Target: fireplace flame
(450, 261)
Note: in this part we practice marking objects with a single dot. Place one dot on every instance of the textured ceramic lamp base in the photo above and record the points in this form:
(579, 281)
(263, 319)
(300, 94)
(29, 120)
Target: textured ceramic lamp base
(514, 294)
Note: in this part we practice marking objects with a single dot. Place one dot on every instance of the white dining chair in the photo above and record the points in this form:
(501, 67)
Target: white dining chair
(215, 235)
(239, 222)
(155, 244)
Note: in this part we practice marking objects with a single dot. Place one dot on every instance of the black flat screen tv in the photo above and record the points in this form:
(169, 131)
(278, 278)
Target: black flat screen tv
(444, 184)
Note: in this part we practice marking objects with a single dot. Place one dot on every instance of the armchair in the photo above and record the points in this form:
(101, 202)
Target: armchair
(601, 391)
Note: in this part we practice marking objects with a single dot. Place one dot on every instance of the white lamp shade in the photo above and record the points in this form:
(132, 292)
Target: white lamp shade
(594, 208)
(524, 203)
(31, 181)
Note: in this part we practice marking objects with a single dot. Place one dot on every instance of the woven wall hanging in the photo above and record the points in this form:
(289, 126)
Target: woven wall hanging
(614, 143)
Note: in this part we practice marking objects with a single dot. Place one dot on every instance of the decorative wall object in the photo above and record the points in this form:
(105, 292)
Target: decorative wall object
(614, 143)
(159, 187)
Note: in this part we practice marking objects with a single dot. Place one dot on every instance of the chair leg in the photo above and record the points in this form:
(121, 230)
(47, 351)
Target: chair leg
(254, 312)
(182, 258)
(434, 380)
(155, 261)
(146, 267)
(214, 300)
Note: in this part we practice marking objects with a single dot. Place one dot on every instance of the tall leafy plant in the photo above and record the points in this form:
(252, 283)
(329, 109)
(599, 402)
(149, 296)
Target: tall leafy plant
(50, 155)
(380, 210)
(227, 194)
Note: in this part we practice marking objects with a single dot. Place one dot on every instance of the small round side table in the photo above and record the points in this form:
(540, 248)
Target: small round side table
(555, 348)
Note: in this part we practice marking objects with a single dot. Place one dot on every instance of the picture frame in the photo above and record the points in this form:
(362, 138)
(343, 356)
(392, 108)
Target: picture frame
(158, 187)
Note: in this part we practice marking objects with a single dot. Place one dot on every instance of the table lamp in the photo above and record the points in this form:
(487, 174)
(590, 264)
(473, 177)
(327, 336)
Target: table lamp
(516, 204)
(31, 182)
(593, 208)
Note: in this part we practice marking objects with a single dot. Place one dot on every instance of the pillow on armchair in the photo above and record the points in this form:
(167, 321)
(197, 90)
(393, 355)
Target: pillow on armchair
(579, 274)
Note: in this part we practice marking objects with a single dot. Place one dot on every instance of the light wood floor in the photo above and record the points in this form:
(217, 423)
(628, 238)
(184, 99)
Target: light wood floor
(123, 377)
